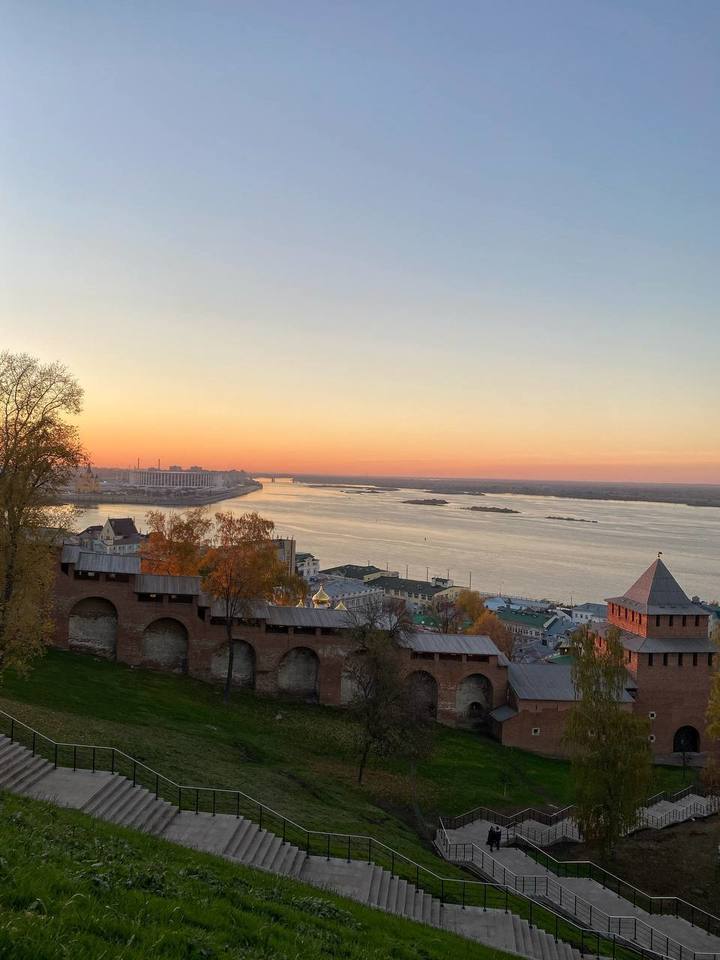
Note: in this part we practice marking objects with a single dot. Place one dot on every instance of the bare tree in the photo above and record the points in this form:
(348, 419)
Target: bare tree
(39, 454)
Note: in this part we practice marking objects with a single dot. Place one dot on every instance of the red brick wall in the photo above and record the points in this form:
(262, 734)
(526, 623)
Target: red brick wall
(677, 694)
(207, 640)
(643, 625)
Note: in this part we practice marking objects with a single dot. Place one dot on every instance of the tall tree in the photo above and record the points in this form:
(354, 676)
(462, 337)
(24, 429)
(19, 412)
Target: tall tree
(490, 625)
(390, 719)
(39, 454)
(177, 542)
(608, 745)
(240, 566)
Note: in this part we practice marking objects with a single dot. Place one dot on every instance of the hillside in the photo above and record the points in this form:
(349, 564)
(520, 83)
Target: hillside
(75, 887)
(300, 759)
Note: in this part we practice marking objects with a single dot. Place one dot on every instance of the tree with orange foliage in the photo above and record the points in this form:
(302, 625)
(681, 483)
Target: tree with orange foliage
(177, 542)
(240, 566)
(489, 625)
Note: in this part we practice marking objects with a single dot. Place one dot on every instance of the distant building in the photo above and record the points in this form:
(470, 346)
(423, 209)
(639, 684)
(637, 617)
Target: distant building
(589, 612)
(357, 572)
(525, 625)
(120, 535)
(418, 594)
(352, 594)
(285, 547)
(306, 565)
(177, 479)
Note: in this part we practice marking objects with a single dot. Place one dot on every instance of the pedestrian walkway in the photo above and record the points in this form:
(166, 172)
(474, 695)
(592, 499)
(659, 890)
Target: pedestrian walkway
(113, 797)
(654, 923)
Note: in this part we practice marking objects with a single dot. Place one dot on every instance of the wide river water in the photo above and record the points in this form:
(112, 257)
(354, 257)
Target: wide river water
(525, 553)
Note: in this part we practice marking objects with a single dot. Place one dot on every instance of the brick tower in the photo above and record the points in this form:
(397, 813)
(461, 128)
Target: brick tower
(669, 655)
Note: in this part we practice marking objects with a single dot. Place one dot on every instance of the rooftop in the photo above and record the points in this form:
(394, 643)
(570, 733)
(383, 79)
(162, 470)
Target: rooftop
(657, 592)
(452, 643)
(402, 585)
(352, 570)
(538, 620)
(547, 681)
(153, 583)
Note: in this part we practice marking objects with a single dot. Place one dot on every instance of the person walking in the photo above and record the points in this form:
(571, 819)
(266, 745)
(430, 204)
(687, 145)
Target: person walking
(497, 837)
(490, 838)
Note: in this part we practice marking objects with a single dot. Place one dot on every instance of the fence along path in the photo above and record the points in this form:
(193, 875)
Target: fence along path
(110, 784)
(581, 889)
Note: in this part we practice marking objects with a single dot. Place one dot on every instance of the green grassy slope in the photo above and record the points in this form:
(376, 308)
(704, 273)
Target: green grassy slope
(73, 887)
(300, 759)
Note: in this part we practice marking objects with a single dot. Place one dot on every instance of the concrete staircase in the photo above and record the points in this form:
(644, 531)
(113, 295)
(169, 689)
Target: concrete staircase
(659, 812)
(588, 902)
(112, 797)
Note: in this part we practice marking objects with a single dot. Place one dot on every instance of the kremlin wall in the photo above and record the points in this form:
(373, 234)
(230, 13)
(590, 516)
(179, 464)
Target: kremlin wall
(104, 606)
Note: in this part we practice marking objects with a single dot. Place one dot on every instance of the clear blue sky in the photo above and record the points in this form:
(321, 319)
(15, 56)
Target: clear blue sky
(441, 237)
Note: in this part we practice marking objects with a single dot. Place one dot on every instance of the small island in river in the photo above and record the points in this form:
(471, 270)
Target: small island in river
(428, 503)
(491, 509)
(572, 519)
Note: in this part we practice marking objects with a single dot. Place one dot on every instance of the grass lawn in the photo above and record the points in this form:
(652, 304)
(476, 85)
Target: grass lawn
(300, 759)
(73, 887)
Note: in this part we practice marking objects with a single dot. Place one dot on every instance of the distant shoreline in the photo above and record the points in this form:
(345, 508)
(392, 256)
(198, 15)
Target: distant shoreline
(158, 499)
(682, 494)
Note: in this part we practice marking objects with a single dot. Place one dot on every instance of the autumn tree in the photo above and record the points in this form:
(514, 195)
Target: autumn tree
(241, 565)
(608, 745)
(39, 454)
(390, 720)
(470, 605)
(488, 624)
(177, 543)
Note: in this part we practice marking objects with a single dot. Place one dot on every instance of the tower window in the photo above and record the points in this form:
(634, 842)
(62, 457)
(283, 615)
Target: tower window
(697, 621)
(680, 659)
(694, 659)
(651, 659)
(671, 620)
(710, 659)
(684, 621)
(657, 621)
(665, 659)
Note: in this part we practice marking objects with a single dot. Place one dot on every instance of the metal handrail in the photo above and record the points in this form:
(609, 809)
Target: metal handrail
(612, 881)
(550, 819)
(631, 928)
(606, 945)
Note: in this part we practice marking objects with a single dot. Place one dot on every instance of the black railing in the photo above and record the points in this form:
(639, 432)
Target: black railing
(668, 905)
(330, 845)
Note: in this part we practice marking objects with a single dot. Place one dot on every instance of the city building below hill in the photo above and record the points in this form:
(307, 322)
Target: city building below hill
(306, 565)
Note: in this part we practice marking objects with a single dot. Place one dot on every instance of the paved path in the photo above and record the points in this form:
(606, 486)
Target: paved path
(113, 797)
(586, 900)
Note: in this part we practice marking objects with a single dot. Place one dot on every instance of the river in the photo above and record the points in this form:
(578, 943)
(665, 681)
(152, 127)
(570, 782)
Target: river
(523, 553)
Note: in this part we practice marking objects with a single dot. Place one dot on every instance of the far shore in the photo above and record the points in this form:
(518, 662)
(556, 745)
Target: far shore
(152, 498)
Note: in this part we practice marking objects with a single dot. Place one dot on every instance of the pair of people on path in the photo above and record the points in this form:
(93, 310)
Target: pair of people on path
(493, 838)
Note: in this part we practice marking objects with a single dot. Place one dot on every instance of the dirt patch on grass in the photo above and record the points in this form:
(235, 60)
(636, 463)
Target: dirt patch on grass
(679, 861)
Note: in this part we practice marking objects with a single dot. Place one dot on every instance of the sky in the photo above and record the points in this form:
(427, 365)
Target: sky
(401, 237)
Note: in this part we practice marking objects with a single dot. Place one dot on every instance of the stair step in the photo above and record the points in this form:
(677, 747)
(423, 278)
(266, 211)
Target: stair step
(400, 898)
(256, 838)
(104, 794)
(241, 840)
(110, 804)
(162, 820)
(15, 775)
(268, 851)
(144, 813)
(133, 800)
(427, 908)
(383, 890)
(435, 912)
(35, 771)
(375, 879)
(17, 763)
